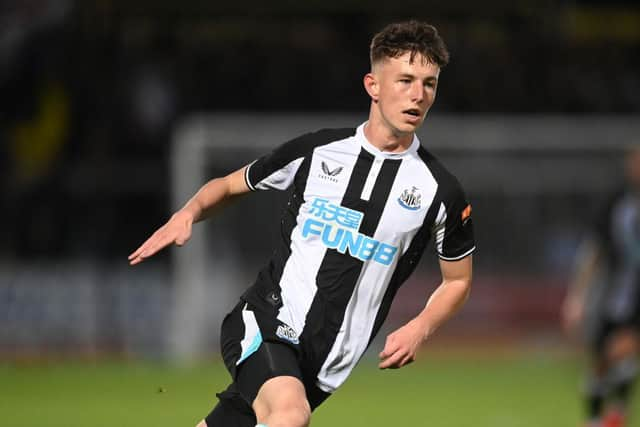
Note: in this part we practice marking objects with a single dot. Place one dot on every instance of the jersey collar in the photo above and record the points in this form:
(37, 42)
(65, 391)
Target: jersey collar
(364, 142)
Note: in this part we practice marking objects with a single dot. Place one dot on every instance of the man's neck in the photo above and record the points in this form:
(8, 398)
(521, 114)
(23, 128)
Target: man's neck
(381, 136)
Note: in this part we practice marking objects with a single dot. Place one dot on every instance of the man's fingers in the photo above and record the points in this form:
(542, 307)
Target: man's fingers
(162, 238)
(138, 256)
(391, 360)
(150, 248)
(390, 347)
(145, 246)
(406, 360)
(136, 253)
(136, 261)
(387, 351)
(141, 252)
(154, 247)
(135, 257)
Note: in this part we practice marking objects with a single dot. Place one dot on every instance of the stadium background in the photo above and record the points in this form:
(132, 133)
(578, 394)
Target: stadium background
(102, 100)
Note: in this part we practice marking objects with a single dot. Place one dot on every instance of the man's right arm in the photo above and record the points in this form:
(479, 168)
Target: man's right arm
(178, 229)
(587, 260)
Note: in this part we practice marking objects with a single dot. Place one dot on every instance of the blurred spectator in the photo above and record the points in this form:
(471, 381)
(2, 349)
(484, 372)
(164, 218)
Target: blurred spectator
(608, 272)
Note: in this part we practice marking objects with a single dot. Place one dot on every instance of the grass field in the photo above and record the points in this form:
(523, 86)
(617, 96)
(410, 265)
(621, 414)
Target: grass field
(443, 390)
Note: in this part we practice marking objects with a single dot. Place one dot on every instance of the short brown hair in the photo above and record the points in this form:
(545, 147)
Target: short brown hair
(410, 36)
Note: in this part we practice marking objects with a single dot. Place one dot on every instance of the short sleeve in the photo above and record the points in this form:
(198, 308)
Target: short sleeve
(453, 228)
(277, 169)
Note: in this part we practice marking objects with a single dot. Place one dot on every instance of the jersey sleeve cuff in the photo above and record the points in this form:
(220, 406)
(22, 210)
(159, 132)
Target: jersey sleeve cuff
(459, 257)
(246, 178)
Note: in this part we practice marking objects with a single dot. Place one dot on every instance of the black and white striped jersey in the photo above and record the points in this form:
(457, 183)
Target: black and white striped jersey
(617, 233)
(356, 225)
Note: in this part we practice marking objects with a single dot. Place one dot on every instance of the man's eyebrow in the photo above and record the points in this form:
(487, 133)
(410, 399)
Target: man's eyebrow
(411, 76)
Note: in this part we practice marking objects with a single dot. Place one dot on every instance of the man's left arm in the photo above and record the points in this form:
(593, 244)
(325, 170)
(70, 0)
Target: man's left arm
(403, 344)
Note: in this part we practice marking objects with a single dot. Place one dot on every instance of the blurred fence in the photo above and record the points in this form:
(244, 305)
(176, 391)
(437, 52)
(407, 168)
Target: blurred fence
(535, 183)
(82, 308)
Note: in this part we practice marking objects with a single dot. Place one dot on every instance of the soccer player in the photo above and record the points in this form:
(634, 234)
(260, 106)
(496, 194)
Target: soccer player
(364, 205)
(611, 305)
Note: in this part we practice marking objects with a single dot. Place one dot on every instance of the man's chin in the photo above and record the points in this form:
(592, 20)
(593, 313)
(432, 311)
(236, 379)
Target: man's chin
(404, 127)
(409, 127)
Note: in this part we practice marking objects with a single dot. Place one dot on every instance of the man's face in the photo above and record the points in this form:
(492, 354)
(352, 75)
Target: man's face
(404, 91)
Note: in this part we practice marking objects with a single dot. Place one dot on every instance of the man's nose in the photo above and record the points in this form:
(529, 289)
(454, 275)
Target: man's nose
(417, 92)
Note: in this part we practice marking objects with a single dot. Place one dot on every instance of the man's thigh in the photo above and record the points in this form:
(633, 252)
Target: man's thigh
(269, 361)
(282, 399)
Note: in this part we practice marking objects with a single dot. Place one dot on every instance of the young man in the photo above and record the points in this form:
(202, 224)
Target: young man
(365, 202)
(610, 307)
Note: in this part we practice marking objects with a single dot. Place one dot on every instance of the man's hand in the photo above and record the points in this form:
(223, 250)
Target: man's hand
(401, 346)
(177, 230)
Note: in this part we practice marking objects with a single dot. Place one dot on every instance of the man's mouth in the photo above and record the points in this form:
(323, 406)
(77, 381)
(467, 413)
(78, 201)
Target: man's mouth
(412, 112)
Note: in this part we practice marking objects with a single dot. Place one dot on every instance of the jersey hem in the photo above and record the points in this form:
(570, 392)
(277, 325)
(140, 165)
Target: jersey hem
(325, 388)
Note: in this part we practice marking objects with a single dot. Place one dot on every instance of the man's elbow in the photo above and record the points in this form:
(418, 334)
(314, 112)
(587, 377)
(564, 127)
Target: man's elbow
(464, 286)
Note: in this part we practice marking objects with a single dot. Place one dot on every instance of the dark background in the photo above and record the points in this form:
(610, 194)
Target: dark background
(91, 94)
(91, 90)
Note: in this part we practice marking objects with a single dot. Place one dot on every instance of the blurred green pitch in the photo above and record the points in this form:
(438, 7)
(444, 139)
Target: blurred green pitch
(443, 390)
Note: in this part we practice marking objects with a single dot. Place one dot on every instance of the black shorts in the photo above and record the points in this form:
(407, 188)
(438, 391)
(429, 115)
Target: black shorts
(252, 360)
(605, 329)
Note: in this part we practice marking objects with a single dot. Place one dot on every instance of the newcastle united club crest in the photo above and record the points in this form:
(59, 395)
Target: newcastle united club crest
(410, 199)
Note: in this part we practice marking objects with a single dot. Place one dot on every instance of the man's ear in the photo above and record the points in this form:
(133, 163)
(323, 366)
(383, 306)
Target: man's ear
(371, 86)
